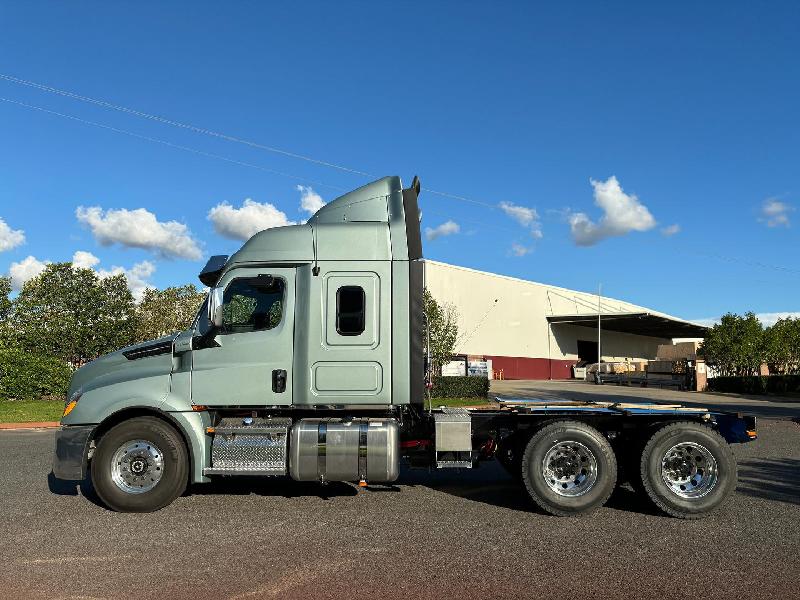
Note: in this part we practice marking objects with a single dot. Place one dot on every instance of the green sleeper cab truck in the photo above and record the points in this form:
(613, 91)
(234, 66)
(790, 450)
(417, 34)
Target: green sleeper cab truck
(307, 360)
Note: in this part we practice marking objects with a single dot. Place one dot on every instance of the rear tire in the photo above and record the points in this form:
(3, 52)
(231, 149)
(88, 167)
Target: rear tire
(688, 470)
(569, 468)
(140, 465)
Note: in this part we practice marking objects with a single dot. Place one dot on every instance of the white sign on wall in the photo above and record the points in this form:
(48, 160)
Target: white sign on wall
(455, 368)
(480, 368)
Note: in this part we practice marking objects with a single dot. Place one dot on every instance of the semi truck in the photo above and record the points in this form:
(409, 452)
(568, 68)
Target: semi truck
(307, 360)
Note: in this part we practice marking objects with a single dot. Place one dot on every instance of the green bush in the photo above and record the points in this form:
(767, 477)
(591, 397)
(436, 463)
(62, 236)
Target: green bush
(28, 376)
(772, 384)
(460, 387)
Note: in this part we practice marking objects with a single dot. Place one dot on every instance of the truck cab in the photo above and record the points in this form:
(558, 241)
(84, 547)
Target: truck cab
(307, 360)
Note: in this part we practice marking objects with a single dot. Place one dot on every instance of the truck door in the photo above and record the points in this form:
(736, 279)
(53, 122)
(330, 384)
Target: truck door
(248, 362)
(349, 361)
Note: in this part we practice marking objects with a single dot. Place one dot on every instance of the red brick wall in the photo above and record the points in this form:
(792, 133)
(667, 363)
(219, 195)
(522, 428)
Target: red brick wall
(522, 367)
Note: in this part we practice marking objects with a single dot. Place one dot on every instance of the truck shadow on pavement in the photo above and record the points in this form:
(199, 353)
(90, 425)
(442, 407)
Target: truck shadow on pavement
(770, 479)
(490, 484)
(283, 487)
(244, 486)
(63, 487)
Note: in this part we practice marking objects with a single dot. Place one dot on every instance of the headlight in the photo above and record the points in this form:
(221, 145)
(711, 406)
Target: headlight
(72, 402)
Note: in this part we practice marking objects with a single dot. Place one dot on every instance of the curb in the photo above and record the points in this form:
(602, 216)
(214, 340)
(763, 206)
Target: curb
(32, 425)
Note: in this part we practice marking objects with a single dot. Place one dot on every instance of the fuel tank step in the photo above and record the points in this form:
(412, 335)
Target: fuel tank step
(249, 446)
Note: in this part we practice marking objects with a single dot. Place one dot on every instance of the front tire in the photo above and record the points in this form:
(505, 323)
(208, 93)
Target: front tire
(140, 465)
(569, 468)
(688, 470)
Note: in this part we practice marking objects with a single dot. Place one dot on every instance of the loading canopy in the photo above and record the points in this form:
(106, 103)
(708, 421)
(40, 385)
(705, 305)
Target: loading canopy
(638, 323)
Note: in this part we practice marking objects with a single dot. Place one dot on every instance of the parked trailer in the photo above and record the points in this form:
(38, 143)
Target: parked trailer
(306, 361)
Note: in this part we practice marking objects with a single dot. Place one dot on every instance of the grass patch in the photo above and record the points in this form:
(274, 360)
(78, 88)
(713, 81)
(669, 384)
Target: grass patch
(28, 411)
(454, 402)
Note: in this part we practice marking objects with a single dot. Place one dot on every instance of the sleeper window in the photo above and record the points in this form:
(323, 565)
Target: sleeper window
(252, 304)
(350, 308)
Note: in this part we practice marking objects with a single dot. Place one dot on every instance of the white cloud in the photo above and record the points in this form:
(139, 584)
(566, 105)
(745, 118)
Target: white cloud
(10, 238)
(446, 228)
(520, 250)
(525, 216)
(622, 213)
(25, 270)
(310, 201)
(775, 213)
(766, 319)
(242, 223)
(137, 277)
(84, 260)
(139, 228)
(522, 214)
(671, 230)
(707, 322)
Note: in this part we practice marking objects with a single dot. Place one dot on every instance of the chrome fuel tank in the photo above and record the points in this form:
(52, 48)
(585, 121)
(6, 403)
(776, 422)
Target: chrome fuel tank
(344, 450)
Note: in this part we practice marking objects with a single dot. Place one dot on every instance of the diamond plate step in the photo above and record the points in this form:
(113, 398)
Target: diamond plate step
(248, 446)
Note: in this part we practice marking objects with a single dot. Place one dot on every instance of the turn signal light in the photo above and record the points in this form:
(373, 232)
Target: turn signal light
(752, 434)
(199, 407)
(68, 408)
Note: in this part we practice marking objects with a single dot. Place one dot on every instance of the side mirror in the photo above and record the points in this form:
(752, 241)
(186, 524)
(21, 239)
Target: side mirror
(215, 299)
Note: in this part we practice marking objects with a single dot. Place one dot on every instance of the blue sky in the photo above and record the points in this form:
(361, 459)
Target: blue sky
(691, 108)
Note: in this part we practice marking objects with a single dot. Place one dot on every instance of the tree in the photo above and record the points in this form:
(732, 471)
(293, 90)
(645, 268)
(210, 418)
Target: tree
(162, 312)
(735, 346)
(73, 314)
(441, 329)
(782, 347)
(5, 312)
(27, 376)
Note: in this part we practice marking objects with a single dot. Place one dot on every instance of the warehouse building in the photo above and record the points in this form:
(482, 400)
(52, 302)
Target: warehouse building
(531, 330)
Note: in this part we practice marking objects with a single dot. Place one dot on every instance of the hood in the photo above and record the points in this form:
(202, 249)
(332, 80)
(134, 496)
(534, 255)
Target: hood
(145, 360)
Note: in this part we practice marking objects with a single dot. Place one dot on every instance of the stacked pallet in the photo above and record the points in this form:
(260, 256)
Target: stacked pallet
(679, 351)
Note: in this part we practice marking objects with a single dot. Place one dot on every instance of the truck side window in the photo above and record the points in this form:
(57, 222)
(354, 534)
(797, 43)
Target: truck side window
(252, 304)
(350, 309)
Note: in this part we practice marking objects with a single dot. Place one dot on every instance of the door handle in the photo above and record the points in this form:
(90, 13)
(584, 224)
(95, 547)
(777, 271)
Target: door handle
(279, 381)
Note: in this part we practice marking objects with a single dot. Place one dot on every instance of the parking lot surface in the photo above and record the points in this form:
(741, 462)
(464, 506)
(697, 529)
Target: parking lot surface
(467, 534)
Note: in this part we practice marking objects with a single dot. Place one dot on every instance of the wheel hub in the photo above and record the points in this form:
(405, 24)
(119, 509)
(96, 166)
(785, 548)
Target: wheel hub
(137, 466)
(689, 470)
(569, 468)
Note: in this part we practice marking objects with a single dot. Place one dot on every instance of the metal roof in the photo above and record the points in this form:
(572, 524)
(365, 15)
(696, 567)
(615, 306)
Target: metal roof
(639, 323)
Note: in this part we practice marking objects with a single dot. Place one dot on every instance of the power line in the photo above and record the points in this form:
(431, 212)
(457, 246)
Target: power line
(217, 134)
(483, 224)
(218, 156)
(194, 128)
(744, 261)
(170, 144)
(463, 341)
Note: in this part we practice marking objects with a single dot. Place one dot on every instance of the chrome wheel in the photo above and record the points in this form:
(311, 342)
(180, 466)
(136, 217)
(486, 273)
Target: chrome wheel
(689, 470)
(569, 469)
(137, 466)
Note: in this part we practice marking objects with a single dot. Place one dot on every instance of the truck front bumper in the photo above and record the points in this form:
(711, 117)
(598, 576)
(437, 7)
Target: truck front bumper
(69, 461)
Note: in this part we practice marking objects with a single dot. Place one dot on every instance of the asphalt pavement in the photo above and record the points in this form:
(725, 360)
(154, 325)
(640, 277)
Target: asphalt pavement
(467, 534)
